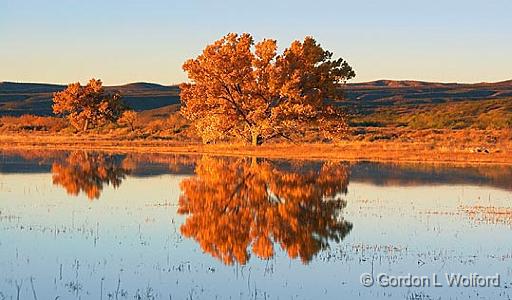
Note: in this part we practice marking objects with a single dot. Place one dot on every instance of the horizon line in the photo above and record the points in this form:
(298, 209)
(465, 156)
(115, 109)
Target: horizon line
(350, 82)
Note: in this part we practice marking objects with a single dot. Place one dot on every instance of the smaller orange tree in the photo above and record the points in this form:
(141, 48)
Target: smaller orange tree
(88, 106)
(128, 118)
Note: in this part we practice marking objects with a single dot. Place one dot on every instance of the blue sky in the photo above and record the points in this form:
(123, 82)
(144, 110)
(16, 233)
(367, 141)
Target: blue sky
(63, 41)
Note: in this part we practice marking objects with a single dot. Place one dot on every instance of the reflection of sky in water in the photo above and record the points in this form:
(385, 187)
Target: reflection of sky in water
(132, 234)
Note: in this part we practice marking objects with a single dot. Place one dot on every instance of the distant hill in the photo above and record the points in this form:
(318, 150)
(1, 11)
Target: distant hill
(35, 98)
(399, 84)
(144, 86)
(503, 83)
(389, 92)
(384, 83)
(423, 105)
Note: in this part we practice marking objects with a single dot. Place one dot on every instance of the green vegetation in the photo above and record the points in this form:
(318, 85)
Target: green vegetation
(481, 114)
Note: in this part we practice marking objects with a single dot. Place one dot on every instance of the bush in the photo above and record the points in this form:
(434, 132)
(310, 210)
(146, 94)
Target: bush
(177, 123)
(32, 123)
(128, 119)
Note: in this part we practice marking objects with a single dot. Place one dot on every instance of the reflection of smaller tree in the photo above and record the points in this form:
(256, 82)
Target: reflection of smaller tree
(232, 205)
(89, 172)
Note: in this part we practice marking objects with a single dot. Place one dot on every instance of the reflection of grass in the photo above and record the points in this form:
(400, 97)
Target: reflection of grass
(8, 218)
(489, 214)
(98, 276)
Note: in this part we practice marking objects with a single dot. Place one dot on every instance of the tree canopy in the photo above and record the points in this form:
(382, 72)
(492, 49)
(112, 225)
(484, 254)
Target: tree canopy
(248, 91)
(89, 105)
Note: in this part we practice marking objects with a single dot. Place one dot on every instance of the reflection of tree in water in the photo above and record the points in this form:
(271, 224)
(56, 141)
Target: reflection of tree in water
(233, 204)
(89, 172)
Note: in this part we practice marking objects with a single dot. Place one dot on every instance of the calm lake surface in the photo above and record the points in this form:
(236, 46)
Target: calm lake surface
(93, 225)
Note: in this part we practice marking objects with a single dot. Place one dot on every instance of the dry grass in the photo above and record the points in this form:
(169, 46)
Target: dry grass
(168, 132)
(28, 123)
(465, 146)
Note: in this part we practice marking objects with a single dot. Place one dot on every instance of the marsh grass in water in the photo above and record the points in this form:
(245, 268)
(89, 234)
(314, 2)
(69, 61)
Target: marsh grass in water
(188, 227)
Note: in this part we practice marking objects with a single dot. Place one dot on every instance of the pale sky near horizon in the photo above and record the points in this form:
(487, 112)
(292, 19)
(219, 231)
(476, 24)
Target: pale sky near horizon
(63, 41)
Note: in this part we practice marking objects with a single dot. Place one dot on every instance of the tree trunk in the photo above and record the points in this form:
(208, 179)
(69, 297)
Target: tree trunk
(86, 125)
(254, 162)
(255, 139)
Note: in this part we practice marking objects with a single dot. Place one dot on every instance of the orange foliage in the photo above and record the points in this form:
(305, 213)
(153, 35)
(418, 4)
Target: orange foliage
(250, 92)
(88, 105)
(128, 118)
(89, 172)
(233, 204)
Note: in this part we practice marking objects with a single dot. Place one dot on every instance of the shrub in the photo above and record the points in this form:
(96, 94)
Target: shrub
(32, 123)
(128, 118)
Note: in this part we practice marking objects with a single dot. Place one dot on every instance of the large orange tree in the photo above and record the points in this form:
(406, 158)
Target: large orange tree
(88, 106)
(248, 91)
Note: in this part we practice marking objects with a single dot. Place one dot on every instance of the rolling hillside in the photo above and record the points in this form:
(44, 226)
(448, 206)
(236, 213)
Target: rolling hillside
(379, 103)
(33, 98)
(388, 92)
(423, 105)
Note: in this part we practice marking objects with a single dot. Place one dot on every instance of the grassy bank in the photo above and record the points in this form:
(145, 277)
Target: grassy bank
(433, 146)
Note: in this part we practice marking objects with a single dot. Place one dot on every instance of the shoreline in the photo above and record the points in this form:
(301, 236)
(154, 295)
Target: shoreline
(399, 152)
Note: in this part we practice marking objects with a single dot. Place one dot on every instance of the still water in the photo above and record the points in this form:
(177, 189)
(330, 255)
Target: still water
(92, 225)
